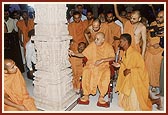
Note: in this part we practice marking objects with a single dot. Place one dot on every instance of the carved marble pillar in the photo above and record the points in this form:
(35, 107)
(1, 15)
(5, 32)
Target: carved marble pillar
(53, 90)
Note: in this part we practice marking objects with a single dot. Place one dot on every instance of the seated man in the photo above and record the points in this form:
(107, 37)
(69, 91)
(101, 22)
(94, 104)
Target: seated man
(96, 72)
(16, 97)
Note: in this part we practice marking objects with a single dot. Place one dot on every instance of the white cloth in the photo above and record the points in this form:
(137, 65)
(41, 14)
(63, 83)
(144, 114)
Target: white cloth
(120, 24)
(30, 54)
(15, 26)
(10, 25)
(22, 50)
(82, 18)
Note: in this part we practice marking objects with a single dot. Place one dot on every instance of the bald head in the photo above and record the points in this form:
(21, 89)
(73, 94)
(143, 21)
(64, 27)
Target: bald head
(9, 66)
(97, 21)
(101, 35)
(96, 25)
(8, 63)
(136, 12)
(135, 17)
(99, 38)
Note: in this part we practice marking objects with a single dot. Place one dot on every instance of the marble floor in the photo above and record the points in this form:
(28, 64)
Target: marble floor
(92, 107)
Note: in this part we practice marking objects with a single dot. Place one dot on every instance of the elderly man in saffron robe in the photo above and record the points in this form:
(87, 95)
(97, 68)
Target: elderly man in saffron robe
(96, 72)
(16, 96)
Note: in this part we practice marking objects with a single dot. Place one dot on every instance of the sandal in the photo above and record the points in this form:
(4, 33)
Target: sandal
(83, 100)
(102, 103)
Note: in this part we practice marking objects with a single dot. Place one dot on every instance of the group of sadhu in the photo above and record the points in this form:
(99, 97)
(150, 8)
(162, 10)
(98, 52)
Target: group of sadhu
(139, 59)
(94, 44)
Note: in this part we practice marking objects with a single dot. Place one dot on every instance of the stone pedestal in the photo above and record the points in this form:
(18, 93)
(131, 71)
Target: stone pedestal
(53, 90)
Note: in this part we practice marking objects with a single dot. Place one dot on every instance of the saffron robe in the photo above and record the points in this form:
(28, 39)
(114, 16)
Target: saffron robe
(25, 29)
(114, 30)
(153, 58)
(124, 20)
(15, 88)
(135, 84)
(76, 30)
(128, 28)
(104, 29)
(88, 22)
(94, 76)
(77, 68)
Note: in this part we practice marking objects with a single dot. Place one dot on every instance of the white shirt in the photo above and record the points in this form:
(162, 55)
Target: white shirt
(10, 25)
(30, 54)
(16, 28)
(83, 17)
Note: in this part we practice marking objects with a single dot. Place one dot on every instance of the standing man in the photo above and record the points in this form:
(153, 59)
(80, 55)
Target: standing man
(133, 82)
(79, 8)
(77, 68)
(154, 51)
(93, 29)
(90, 18)
(114, 29)
(10, 24)
(11, 41)
(136, 29)
(76, 30)
(26, 28)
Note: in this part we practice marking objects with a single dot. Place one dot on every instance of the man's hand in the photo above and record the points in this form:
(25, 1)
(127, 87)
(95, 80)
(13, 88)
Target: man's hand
(98, 62)
(148, 44)
(126, 72)
(71, 53)
(117, 65)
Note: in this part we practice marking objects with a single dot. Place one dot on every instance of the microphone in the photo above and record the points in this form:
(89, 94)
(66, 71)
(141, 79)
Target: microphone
(117, 55)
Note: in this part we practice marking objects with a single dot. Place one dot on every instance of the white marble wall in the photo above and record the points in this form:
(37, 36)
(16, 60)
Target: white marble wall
(53, 89)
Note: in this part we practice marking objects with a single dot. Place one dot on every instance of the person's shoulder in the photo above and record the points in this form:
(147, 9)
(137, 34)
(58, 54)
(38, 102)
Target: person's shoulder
(31, 19)
(108, 44)
(142, 26)
(135, 53)
(92, 43)
(104, 26)
(153, 23)
(71, 23)
(84, 17)
(90, 28)
(11, 19)
(21, 20)
(116, 25)
(85, 21)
